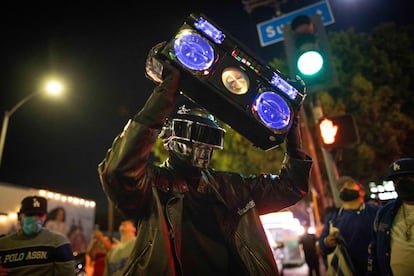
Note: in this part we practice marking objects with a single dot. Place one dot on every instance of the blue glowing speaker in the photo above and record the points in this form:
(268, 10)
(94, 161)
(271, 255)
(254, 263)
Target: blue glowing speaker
(221, 75)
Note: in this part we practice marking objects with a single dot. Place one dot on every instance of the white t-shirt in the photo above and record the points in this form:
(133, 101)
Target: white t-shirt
(402, 251)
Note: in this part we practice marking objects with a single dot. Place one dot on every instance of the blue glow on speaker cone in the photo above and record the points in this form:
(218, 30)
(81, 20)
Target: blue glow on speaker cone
(193, 51)
(273, 110)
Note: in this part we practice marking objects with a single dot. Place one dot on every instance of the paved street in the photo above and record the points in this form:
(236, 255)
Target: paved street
(301, 270)
(296, 271)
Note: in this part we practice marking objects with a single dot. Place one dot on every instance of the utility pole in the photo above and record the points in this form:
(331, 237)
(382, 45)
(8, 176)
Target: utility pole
(316, 175)
(330, 165)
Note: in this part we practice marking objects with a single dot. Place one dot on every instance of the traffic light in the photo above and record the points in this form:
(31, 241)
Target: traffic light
(338, 131)
(221, 75)
(308, 53)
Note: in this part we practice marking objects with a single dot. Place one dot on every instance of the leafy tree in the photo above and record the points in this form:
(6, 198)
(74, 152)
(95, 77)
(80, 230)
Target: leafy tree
(240, 156)
(376, 86)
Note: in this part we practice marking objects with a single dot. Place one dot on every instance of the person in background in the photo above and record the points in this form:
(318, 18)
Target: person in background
(56, 220)
(309, 243)
(352, 223)
(392, 248)
(33, 249)
(97, 250)
(117, 257)
(77, 237)
(193, 220)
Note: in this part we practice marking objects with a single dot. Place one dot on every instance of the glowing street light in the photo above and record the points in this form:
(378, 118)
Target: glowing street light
(53, 88)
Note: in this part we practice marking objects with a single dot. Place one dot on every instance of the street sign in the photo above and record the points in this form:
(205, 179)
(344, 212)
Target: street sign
(271, 31)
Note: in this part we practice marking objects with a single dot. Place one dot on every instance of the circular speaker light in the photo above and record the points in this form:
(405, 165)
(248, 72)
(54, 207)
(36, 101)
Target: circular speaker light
(235, 80)
(273, 111)
(193, 51)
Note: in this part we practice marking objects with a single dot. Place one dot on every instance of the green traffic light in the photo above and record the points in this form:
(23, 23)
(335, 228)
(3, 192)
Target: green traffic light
(310, 63)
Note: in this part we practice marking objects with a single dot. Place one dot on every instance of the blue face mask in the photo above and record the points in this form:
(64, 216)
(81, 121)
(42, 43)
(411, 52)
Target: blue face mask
(31, 225)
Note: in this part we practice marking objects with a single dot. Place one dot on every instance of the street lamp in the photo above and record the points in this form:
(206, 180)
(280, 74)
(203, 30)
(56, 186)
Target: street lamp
(53, 88)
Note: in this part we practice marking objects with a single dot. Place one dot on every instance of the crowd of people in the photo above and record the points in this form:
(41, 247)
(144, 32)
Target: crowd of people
(35, 249)
(185, 218)
(362, 238)
(358, 238)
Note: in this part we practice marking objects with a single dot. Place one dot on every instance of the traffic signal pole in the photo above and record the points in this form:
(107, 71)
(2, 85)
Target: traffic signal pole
(317, 183)
(330, 165)
(304, 37)
(332, 173)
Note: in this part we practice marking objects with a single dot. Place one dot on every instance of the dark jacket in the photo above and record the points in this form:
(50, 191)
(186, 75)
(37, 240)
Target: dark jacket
(355, 226)
(379, 256)
(154, 195)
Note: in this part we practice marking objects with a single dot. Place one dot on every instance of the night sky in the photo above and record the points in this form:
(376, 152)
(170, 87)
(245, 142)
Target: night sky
(99, 51)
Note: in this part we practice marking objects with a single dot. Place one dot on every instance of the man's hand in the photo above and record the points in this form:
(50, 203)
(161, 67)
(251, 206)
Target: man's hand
(330, 240)
(156, 69)
(294, 140)
(153, 67)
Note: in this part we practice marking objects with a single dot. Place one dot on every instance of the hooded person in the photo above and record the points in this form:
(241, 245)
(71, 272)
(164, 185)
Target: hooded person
(392, 246)
(192, 219)
(39, 250)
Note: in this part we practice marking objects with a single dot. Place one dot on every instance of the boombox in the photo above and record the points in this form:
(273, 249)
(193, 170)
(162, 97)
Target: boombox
(221, 75)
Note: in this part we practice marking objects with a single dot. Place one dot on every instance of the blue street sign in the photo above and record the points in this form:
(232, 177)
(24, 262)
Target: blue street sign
(271, 31)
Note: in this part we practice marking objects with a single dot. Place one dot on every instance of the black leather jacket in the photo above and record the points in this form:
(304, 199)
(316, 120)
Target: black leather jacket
(154, 195)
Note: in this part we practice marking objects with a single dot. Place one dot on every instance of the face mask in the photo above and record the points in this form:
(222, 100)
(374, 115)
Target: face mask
(348, 195)
(31, 226)
(405, 189)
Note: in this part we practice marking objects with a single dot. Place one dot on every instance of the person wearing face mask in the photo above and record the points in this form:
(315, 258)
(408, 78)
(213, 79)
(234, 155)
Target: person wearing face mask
(35, 250)
(351, 224)
(392, 248)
